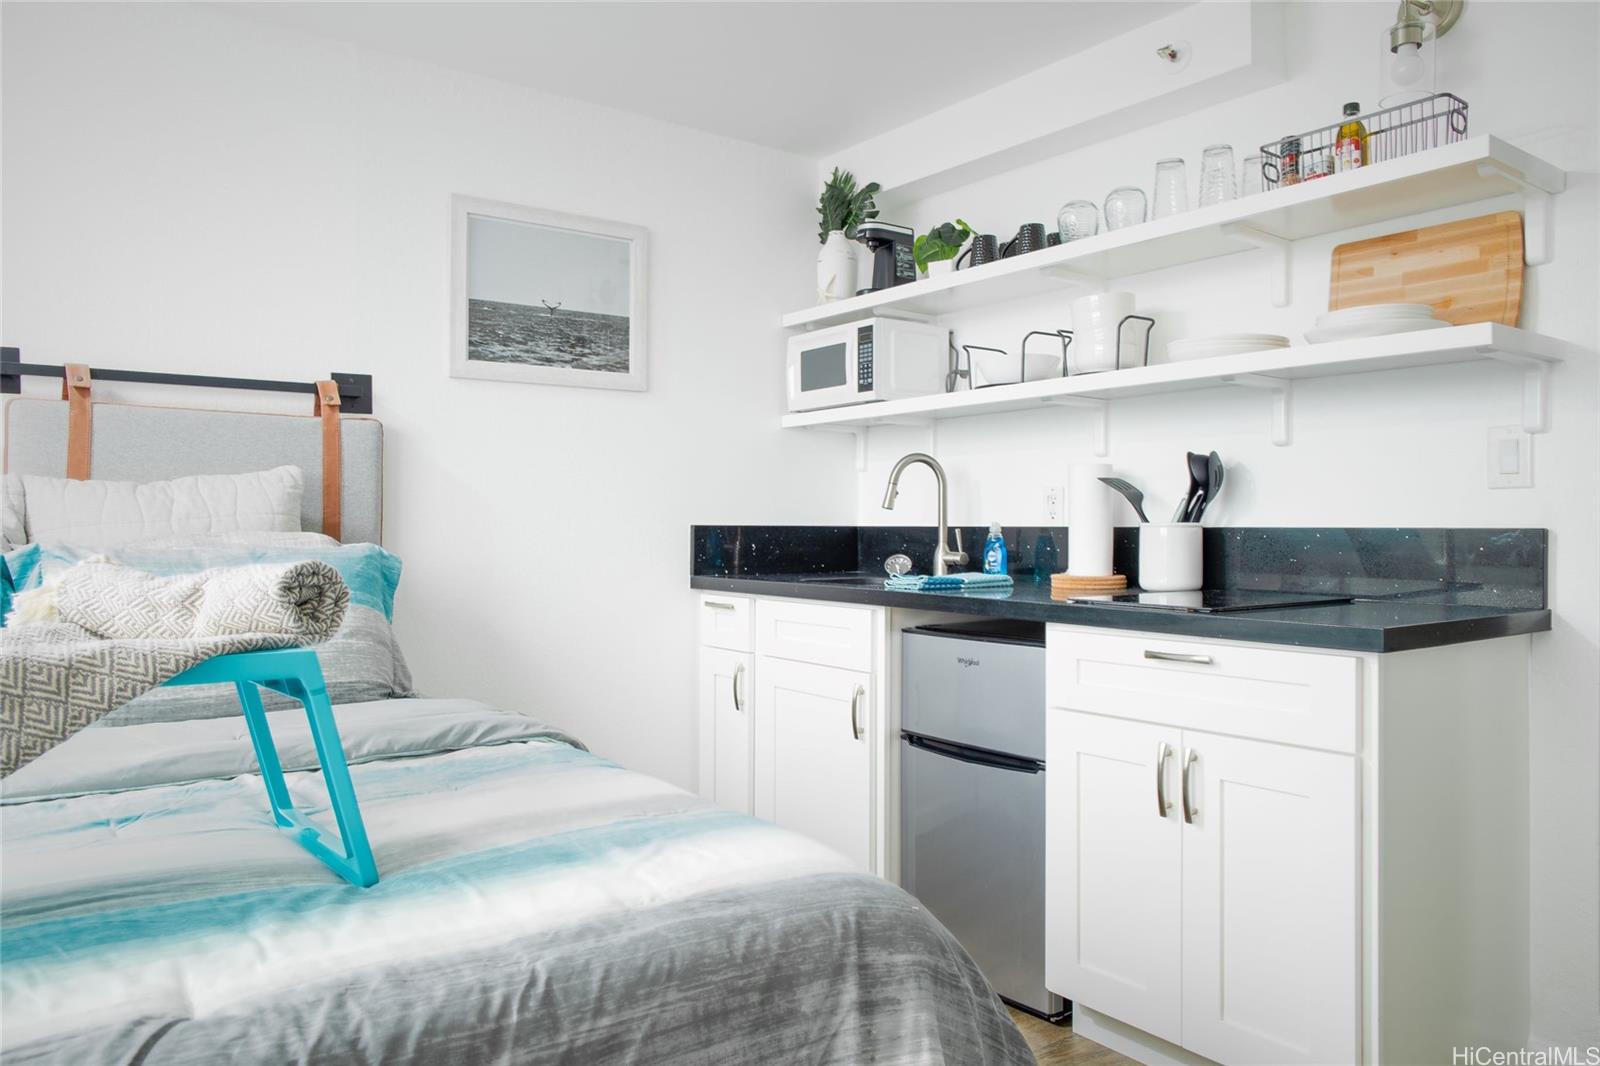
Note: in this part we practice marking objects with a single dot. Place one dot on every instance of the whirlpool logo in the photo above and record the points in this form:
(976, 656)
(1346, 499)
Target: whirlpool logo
(966, 662)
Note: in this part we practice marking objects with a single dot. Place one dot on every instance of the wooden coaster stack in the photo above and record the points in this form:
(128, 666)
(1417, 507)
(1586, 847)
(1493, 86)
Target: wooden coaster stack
(1066, 586)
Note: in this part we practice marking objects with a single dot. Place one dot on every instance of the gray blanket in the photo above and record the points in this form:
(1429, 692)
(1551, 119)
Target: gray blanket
(537, 905)
(117, 633)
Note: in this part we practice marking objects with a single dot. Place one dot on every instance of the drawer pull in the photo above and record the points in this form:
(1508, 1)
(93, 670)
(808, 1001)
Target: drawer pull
(738, 702)
(1177, 657)
(1163, 753)
(855, 712)
(1190, 757)
(720, 605)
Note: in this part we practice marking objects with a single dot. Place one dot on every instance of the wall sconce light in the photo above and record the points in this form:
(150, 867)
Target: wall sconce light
(1408, 65)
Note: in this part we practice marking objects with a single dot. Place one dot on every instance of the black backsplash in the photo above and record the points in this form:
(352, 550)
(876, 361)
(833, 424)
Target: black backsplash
(1480, 567)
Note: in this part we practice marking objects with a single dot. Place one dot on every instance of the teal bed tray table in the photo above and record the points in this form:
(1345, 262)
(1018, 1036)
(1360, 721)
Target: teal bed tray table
(296, 673)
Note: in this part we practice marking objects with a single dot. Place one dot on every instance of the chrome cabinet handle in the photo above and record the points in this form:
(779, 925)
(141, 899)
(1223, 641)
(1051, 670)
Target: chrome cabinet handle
(1177, 657)
(719, 605)
(738, 672)
(1190, 757)
(1163, 753)
(855, 712)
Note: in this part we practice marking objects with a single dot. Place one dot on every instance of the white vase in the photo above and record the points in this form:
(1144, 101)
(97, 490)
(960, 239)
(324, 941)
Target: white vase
(940, 266)
(836, 269)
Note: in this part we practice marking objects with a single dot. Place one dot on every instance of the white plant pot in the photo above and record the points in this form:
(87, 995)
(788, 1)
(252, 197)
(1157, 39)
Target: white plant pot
(940, 266)
(836, 268)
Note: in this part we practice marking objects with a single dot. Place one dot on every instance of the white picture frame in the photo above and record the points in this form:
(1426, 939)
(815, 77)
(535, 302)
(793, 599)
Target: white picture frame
(504, 256)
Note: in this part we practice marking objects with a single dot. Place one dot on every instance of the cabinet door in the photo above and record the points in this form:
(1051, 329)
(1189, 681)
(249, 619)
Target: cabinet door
(1113, 868)
(813, 765)
(725, 752)
(1270, 923)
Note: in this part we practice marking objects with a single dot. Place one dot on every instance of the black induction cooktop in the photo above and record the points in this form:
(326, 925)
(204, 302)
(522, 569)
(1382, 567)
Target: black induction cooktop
(1213, 601)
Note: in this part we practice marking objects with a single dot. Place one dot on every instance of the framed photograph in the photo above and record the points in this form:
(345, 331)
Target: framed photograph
(545, 297)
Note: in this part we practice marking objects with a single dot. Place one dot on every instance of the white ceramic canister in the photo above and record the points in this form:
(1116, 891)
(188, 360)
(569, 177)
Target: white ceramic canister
(1096, 322)
(1171, 556)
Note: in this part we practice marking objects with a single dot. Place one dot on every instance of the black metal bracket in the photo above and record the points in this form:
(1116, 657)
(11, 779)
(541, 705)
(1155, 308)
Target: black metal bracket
(355, 390)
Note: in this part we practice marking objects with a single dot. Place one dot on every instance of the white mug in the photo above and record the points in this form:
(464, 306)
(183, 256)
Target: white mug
(1171, 557)
(1096, 326)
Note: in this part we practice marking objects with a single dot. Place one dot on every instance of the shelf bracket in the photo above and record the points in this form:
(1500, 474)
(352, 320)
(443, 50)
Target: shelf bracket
(859, 433)
(1278, 246)
(1538, 222)
(1535, 387)
(1282, 390)
(1102, 413)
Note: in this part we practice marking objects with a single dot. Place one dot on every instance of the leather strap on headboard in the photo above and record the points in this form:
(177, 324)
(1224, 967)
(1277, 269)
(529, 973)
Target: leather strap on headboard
(80, 420)
(327, 407)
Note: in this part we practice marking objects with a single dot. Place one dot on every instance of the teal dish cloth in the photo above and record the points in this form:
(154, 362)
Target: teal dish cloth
(948, 582)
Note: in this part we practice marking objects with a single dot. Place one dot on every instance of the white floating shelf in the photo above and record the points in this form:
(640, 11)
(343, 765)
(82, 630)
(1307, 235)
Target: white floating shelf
(1475, 169)
(1273, 372)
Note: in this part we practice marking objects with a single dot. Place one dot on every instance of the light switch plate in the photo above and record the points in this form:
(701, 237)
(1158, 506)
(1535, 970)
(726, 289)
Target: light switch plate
(1510, 458)
(1050, 503)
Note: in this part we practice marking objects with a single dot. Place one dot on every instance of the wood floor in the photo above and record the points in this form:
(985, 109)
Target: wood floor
(1058, 1045)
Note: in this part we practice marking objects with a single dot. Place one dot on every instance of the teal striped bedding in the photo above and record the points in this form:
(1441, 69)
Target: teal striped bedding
(538, 904)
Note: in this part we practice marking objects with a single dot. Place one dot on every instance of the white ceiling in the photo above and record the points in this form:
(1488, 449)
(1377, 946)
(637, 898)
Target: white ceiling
(803, 77)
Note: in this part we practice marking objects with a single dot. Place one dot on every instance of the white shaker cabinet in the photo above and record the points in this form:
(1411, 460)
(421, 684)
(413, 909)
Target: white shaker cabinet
(1113, 868)
(813, 760)
(790, 718)
(1259, 854)
(726, 693)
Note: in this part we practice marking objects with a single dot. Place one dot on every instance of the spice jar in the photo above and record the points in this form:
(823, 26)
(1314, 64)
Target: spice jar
(1289, 161)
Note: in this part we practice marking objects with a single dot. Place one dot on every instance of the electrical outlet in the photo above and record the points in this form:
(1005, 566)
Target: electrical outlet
(1510, 458)
(1050, 502)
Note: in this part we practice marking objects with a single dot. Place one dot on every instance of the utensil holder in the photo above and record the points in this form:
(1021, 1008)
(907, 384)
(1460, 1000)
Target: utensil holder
(1171, 556)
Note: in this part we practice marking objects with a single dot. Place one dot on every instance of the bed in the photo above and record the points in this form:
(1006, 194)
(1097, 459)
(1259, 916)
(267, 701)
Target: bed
(537, 904)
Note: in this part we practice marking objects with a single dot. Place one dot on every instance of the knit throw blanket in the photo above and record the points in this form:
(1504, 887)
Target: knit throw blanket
(101, 634)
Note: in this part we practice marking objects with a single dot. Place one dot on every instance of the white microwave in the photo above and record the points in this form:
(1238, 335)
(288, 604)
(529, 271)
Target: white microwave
(866, 360)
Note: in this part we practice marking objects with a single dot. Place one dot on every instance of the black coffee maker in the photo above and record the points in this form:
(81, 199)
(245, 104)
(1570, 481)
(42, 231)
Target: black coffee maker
(892, 260)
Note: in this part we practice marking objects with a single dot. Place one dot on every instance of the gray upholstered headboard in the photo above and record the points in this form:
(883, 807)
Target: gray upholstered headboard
(138, 443)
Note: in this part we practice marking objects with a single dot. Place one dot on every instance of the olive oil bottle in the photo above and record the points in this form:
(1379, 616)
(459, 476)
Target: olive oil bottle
(1350, 150)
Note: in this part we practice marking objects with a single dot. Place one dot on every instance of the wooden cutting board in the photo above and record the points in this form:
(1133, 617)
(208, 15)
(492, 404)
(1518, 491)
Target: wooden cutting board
(1467, 271)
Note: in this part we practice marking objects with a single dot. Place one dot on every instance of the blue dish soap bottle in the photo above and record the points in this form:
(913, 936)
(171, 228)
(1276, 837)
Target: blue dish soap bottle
(994, 552)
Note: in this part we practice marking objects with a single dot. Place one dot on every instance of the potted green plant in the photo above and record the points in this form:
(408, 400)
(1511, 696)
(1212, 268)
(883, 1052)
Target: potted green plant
(936, 250)
(843, 207)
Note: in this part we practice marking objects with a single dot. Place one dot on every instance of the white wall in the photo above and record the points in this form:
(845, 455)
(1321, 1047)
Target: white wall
(190, 191)
(1399, 448)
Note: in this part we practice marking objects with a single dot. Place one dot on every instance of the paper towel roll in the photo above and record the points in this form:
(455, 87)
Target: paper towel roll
(1089, 525)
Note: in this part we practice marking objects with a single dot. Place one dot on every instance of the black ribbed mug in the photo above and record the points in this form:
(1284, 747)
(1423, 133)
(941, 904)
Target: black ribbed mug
(985, 248)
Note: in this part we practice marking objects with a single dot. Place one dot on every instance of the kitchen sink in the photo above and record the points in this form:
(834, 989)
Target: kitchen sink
(861, 580)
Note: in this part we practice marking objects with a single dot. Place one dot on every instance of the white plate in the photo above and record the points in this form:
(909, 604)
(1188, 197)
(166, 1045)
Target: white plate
(1356, 330)
(1373, 312)
(1225, 344)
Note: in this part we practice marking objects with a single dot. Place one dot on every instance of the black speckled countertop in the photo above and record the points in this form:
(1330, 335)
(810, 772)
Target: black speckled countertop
(1430, 588)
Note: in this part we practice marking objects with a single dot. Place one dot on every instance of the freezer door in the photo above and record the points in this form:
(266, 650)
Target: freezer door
(983, 694)
(972, 850)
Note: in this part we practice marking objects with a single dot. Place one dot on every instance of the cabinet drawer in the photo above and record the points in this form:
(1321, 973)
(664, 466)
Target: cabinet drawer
(1287, 696)
(822, 633)
(725, 622)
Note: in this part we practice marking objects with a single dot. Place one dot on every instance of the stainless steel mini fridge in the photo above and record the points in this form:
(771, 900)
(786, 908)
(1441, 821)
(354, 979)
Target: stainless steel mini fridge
(972, 795)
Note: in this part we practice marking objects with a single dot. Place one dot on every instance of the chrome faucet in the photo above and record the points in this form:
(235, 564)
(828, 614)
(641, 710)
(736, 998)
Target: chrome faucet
(943, 557)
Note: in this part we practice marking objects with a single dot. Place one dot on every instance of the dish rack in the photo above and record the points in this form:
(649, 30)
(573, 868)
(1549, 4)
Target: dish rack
(957, 372)
(1391, 133)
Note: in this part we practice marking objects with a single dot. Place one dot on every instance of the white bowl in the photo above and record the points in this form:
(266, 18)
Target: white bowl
(1004, 368)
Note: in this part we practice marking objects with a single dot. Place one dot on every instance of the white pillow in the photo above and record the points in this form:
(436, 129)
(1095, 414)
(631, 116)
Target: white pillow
(105, 513)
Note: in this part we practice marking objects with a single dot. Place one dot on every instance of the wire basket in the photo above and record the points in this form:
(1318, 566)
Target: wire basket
(1391, 133)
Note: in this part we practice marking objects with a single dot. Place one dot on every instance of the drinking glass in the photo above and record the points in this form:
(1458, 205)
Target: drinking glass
(1124, 207)
(1216, 175)
(1078, 219)
(1172, 188)
(1251, 182)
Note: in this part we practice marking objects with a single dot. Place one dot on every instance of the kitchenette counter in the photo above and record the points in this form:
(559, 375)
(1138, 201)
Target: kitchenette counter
(1412, 588)
(1364, 625)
